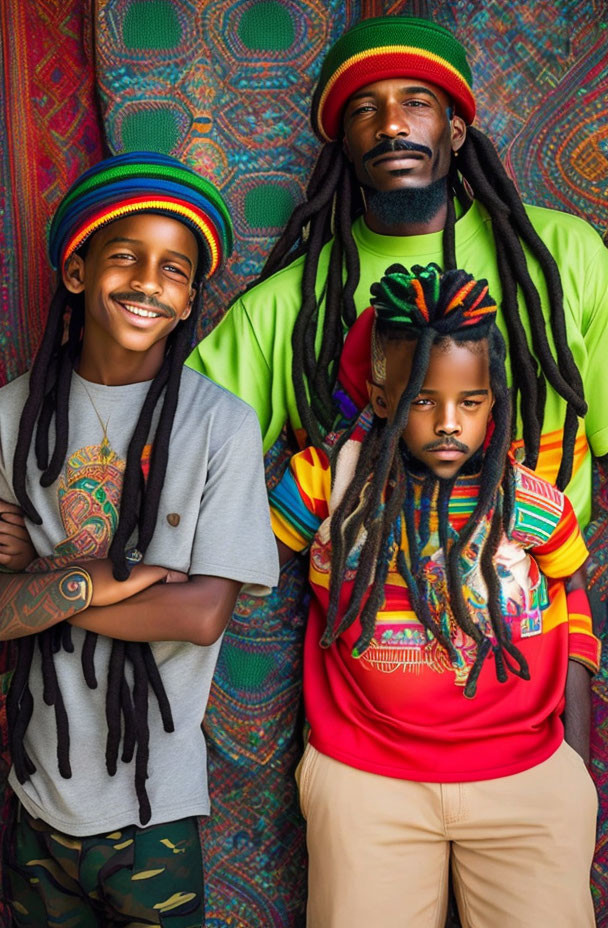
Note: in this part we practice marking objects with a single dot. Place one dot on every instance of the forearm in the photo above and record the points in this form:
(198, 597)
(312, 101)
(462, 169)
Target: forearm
(577, 713)
(196, 611)
(29, 603)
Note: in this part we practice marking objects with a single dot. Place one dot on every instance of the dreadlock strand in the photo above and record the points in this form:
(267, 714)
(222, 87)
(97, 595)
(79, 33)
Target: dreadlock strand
(140, 702)
(348, 203)
(375, 600)
(62, 398)
(345, 524)
(87, 659)
(155, 681)
(130, 723)
(304, 330)
(541, 253)
(322, 381)
(113, 700)
(449, 236)
(320, 192)
(488, 195)
(524, 371)
(51, 341)
(569, 441)
(19, 707)
(133, 478)
(162, 437)
(52, 697)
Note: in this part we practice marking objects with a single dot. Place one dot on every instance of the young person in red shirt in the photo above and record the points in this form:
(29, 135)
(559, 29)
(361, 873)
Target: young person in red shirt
(448, 603)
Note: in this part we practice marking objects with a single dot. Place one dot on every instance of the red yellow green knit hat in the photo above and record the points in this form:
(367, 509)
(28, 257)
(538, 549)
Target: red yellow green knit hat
(385, 47)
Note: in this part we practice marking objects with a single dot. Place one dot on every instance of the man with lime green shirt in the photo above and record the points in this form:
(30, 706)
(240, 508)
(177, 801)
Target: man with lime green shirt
(259, 327)
(394, 106)
(403, 177)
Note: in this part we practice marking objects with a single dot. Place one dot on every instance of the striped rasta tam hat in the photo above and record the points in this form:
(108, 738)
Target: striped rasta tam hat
(142, 182)
(390, 46)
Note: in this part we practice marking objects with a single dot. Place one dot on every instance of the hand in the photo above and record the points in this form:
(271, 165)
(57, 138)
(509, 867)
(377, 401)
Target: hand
(16, 549)
(107, 590)
(176, 576)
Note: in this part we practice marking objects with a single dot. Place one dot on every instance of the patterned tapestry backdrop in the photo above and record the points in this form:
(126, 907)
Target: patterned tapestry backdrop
(226, 85)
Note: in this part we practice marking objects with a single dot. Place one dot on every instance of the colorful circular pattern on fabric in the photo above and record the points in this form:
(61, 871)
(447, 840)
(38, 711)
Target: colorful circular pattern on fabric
(390, 46)
(139, 182)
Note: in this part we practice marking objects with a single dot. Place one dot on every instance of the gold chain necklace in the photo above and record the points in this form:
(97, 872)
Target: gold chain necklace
(105, 450)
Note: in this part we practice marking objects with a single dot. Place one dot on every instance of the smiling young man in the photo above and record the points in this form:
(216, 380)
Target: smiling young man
(436, 653)
(133, 473)
(386, 84)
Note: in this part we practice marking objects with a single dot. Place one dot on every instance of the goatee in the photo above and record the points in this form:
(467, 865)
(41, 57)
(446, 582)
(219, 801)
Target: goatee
(409, 204)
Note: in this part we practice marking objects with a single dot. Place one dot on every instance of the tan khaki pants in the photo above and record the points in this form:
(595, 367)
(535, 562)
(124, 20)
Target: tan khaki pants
(520, 847)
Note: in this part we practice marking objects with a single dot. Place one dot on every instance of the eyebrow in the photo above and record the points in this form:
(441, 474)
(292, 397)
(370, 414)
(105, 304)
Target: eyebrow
(136, 241)
(414, 88)
(462, 392)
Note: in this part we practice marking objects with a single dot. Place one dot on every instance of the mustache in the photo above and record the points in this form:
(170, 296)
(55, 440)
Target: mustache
(446, 443)
(140, 299)
(387, 146)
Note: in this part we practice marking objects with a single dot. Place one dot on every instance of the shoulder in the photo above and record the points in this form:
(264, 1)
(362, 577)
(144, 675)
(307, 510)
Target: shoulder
(199, 392)
(15, 389)
(281, 285)
(12, 399)
(529, 485)
(211, 415)
(563, 229)
(539, 506)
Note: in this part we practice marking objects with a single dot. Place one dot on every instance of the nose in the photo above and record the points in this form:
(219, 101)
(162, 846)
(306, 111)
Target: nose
(393, 121)
(146, 278)
(447, 421)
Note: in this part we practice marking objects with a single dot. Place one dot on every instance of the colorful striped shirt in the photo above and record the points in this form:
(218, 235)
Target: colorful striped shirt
(399, 709)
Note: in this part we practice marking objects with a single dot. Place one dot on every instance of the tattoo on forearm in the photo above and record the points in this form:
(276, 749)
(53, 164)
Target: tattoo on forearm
(28, 604)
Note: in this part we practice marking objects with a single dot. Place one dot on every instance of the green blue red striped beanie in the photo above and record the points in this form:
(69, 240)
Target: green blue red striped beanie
(385, 47)
(142, 182)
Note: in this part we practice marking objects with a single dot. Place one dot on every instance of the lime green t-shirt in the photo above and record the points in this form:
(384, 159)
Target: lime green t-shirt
(250, 351)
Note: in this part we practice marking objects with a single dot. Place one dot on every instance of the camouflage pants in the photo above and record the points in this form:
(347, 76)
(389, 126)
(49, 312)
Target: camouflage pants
(132, 877)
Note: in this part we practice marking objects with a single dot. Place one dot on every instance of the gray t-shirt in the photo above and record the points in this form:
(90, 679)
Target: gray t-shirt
(213, 519)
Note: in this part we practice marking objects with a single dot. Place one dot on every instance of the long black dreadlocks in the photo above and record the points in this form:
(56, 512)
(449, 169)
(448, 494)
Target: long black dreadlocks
(49, 391)
(333, 201)
(440, 307)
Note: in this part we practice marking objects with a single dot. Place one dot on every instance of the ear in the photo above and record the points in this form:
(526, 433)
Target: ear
(377, 399)
(73, 274)
(458, 132)
(189, 305)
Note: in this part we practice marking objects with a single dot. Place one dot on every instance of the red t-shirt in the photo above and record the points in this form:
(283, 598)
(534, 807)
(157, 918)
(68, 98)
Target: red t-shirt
(399, 709)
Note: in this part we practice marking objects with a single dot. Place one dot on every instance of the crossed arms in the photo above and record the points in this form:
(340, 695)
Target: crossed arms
(154, 604)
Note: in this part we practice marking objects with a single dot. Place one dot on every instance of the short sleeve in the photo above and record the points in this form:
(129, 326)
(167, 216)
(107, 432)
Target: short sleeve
(299, 502)
(232, 357)
(565, 551)
(595, 332)
(545, 524)
(6, 484)
(233, 537)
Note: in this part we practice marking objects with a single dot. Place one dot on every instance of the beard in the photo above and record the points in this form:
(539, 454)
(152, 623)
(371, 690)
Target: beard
(410, 204)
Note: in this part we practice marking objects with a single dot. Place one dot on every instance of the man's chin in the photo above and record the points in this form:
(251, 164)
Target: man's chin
(411, 203)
